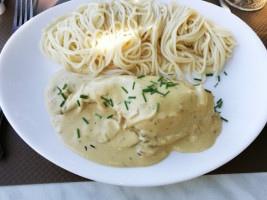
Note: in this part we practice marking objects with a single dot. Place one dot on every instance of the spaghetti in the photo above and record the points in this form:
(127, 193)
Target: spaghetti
(138, 38)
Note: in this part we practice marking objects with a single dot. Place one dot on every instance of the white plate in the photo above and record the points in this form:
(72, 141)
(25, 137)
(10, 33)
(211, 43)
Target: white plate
(24, 73)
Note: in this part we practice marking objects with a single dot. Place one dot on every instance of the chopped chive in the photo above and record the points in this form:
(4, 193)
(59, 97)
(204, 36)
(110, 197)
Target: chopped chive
(219, 100)
(133, 85)
(105, 104)
(156, 91)
(147, 90)
(110, 116)
(161, 83)
(154, 83)
(225, 73)
(208, 91)
(125, 103)
(157, 107)
(78, 133)
(132, 97)
(166, 93)
(85, 147)
(63, 102)
(219, 78)
(170, 84)
(97, 115)
(63, 95)
(92, 146)
(109, 101)
(160, 78)
(226, 120)
(197, 79)
(59, 91)
(78, 102)
(69, 91)
(124, 90)
(170, 74)
(216, 85)
(144, 96)
(104, 98)
(85, 120)
(211, 74)
(82, 96)
(65, 86)
(220, 104)
(196, 84)
(141, 76)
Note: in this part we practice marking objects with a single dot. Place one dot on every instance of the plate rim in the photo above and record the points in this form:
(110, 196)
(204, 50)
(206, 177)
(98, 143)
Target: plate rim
(10, 119)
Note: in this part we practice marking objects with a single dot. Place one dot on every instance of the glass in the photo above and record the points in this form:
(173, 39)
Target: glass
(247, 5)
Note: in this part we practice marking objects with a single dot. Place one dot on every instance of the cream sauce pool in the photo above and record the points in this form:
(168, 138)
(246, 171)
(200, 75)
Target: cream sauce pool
(128, 121)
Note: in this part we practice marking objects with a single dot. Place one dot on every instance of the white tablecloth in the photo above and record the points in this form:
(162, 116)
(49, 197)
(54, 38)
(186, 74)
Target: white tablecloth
(236, 186)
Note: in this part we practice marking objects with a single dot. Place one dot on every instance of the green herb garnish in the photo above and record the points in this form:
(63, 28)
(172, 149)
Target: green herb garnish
(82, 96)
(170, 84)
(109, 101)
(208, 91)
(63, 102)
(161, 83)
(197, 79)
(148, 89)
(132, 97)
(85, 120)
(219, 104)
(65, 86)
(97, 115)
(125, 103)
(160, 78)
(63, 95)
(226, 120)
(78, 133)
(219, 78)
(157, 107)
(166, 93)
(110, 116)
(141, 76)
(225, 73)
(59, 91)
(153, 83)
(209, 74)
(219, 100)
(216, 85)
(78, 102)
(143, 94)
(124, 90)
(133, 85)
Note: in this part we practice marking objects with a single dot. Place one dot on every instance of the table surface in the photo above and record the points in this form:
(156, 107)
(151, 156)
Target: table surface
(22, 165)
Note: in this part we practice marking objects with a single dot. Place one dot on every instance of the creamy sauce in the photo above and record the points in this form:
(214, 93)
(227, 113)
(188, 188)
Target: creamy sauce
(109, 121)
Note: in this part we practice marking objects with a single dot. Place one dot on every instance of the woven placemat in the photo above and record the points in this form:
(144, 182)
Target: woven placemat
(22, 165)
